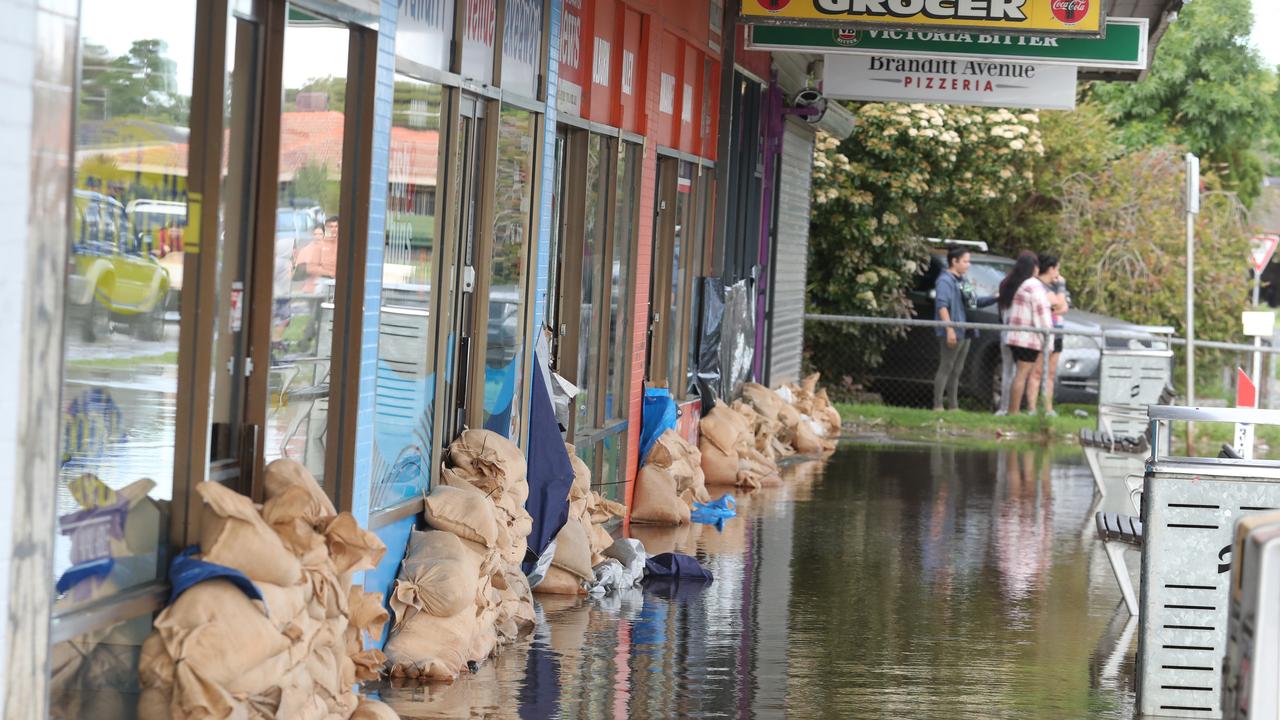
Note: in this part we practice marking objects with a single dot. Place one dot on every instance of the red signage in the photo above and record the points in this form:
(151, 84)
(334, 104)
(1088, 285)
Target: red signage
(1069, 12)
(1261, 248)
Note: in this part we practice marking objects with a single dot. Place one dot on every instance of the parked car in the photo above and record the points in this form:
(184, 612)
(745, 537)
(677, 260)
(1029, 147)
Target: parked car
(906, 373)
(112, 275)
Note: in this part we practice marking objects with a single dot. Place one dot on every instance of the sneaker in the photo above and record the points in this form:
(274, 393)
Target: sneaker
(939, 408)
(1001, 412)
(1050, 413)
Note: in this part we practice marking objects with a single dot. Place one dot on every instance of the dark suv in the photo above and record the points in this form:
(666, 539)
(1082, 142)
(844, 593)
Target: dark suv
(905, 376)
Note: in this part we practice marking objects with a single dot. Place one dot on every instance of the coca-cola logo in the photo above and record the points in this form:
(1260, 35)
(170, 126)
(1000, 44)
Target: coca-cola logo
(774, 6)
(1069, 12)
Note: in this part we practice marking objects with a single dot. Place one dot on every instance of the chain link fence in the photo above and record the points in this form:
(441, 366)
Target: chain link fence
(897, 360)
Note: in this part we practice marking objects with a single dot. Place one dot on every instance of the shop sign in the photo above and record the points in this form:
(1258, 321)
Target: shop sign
(949, 81)
(522, 46)
(1123, 47)
(569, 92)
(1038, 17)
(480, 23)
(424, 29)
(600, 63)
(628, 72)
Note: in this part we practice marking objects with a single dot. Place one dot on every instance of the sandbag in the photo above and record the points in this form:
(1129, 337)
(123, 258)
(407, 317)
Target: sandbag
(573, 550)
(351, 547)
(656, 499)
(559, 581)
(432, 648)
(717, 429)
(490, 456)
(282, 474)
(810, 383)
(763, 400)
(440, 576)
(232, 533)
(464, 512)
(805, 441)
(718, 466)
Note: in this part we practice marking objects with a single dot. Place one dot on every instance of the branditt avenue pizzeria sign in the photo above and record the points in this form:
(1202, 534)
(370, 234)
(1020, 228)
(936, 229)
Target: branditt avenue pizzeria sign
(949, 81)
(1037, 17)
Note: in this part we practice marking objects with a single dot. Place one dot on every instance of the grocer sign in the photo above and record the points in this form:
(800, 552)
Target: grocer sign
(1037, 17)
(1124, 45)
(949, 81)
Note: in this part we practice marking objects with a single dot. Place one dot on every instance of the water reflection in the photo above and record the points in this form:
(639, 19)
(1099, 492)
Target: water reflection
(920, 582)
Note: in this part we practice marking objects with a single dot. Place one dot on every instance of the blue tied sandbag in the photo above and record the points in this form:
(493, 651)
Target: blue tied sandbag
(658, 415)
(676, 566)
(185, 572)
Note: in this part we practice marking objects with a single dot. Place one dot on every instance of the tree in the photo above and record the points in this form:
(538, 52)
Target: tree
(906, 172)
(142, 83)
(1206, 90)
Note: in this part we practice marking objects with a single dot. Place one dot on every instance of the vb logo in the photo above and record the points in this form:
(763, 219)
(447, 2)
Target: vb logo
(774, 6)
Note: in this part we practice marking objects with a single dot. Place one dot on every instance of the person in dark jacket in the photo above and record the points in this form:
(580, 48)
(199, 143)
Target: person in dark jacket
(953, 296)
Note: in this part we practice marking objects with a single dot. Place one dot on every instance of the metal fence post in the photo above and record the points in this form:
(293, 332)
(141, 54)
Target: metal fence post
(1046, 353)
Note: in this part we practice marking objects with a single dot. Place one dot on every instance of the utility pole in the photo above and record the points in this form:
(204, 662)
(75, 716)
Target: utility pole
(1193, 208)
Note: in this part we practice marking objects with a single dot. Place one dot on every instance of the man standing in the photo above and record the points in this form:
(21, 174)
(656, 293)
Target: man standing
(953, 295)
(319, 259)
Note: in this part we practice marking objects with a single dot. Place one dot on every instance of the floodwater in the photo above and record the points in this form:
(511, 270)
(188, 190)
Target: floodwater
(895, 581)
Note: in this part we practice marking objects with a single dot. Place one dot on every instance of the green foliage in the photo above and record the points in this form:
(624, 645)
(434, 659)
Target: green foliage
(906, 172)
(1122, 239)
(141, 83)
(1207, 90)
(313, 182)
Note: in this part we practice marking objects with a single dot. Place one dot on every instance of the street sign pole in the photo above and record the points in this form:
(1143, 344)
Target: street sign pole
(1193, 207)
(1261, 248)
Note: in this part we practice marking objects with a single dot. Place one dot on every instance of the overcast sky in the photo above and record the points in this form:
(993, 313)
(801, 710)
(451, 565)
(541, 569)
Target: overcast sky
(1266, 29)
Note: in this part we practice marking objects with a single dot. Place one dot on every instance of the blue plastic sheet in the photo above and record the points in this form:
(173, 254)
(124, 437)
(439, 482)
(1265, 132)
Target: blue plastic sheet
(676, 566)
(80, 572)
(185, 572)
(715, 512)
(657, 416)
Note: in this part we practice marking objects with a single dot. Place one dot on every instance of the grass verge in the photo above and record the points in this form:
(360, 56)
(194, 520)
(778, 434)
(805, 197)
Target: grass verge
(866, 417)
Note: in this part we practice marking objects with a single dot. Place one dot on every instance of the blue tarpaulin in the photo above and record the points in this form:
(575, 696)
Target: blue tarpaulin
(550, 472)
(658, 416)
(675, 566)
(185, 572)
(715, 512)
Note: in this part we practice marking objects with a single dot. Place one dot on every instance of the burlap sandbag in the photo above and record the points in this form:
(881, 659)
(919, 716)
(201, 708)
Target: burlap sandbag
(351, 547)
(218, 631)
(718, 467)
(573, 550)
(282, 474)
(762, 400)
(232, 533)
(431, 647)
(717, 429)
(656, 500)
(488, 456)
(805, 441)
(559, 581)
(440, 576)
(467, 513)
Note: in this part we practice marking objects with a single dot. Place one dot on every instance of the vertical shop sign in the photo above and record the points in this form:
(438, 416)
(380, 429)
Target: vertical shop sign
(603, 32)
(629, 90)
(569, 94)
(423, 30)
(600, 63)
(522, 46)
(667, 95)
(479, 28)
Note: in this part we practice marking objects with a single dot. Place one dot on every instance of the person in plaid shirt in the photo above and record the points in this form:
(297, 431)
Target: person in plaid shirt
(1028, 308)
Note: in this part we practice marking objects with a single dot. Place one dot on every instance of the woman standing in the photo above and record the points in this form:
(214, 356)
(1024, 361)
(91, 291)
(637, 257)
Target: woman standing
(1029, 309)
(1024, 267)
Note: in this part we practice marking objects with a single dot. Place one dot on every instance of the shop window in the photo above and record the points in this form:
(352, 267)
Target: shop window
(406, 383)
(512, 228)
(625, 219)
(123, 295)
(591, 276)
(307, 234)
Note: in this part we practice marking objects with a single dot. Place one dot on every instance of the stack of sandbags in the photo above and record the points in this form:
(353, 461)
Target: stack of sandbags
(460, 592)
(680, 458)
(727, 442)
(216, 653)
(820, 423)
(580, 544)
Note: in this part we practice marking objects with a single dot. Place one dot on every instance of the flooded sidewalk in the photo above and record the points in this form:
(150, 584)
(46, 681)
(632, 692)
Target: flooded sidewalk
(893, 581)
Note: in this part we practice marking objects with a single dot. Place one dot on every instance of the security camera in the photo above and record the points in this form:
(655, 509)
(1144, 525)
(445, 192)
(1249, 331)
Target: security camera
(810, 105)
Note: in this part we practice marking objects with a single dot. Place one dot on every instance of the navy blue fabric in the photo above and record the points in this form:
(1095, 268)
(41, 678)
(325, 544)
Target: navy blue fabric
(676, 565)
(550, 472)
(185, 572)
(78, 573)
(658, 415)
